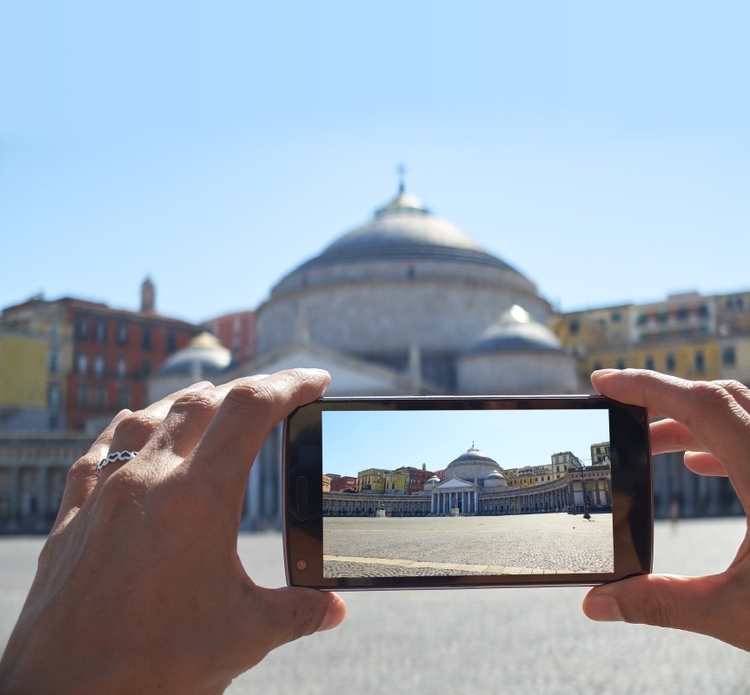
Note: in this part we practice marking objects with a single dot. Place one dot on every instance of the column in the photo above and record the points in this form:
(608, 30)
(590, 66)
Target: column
(42, 495)
(15, 493)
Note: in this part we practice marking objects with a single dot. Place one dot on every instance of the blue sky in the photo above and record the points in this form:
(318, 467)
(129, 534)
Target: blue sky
(601, 148)
(354, 441)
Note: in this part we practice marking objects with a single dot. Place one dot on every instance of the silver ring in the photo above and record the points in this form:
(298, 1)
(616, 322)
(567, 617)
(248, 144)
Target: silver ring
(115, 456)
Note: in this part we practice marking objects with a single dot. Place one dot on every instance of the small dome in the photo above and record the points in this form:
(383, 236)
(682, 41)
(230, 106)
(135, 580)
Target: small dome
(204, 354)
(495, 474)
(516, 331)
(434, 479)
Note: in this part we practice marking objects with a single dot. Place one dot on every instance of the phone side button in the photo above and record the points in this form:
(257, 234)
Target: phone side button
(302, 498)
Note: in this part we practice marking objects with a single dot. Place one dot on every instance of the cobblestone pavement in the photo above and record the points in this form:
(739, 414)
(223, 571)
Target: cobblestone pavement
(475, 641)
(516, 544)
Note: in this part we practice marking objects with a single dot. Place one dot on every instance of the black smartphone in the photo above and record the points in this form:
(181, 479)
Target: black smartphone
(443, 491)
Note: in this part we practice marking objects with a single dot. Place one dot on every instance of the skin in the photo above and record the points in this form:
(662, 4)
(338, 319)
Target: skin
(139, 587)
(710, 422)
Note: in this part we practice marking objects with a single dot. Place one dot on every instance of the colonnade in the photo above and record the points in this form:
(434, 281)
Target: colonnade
(467, 502)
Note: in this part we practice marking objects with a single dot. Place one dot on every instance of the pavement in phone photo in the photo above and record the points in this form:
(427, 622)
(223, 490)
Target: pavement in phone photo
(475, 641)
(512, 544)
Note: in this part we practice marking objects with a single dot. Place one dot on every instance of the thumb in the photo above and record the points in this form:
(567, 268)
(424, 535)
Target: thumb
(295, 612)
(696, 604)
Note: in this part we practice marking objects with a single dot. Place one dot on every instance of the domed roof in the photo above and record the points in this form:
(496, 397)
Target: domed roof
(471, 456)
(495, 474)
(404, 229)
(204, 353)
(516, 331)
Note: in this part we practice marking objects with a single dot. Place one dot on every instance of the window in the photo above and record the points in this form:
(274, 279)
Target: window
(54, 330)
(100, 333)
(620, 363)
(83, 394)
(122, 334)
(734, 303)
(729, 356)
(123, 398)
(146, 369)
(597, 365)
(641, 319)
(649, 364)
(101, 395)
(99, 365)
(682, 313)
(83, 363)
(671, 363)
(700, 361)
(54, 361)
(171, 341)
(574, 327)
(122, 367)
(147, 337)
(616, 317)
(53, 396)
(83, 328)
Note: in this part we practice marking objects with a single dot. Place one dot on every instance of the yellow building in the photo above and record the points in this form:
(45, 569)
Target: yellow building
(23, 370)
(383, 481)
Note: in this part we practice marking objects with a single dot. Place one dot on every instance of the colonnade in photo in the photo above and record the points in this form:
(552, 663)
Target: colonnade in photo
(589, 489)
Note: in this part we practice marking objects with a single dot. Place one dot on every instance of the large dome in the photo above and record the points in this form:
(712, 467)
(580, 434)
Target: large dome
(472, 464)
(402, 239)
(407, 290)
(404, 230)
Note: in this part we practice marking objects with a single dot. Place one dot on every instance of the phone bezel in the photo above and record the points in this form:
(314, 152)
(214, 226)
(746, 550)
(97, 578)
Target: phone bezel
(631, 486)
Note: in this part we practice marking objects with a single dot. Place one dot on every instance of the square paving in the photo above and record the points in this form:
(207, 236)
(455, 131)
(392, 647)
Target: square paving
(513, 544)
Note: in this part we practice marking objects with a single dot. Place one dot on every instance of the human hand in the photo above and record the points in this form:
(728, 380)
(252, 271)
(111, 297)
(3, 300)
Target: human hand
(710, 421)
(139, 587)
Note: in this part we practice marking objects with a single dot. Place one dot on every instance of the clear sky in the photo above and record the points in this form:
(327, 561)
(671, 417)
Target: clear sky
(355, 441)
(600, 147)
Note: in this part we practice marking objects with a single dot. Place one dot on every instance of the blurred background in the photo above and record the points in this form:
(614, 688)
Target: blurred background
(422, 197)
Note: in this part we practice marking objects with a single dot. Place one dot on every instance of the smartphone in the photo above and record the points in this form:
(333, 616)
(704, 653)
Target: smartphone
(442, 491)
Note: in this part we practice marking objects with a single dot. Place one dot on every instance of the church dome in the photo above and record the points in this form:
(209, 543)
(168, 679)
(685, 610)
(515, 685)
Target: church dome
(516, 331)
(472, 464)
(204, 355)
(401, 230)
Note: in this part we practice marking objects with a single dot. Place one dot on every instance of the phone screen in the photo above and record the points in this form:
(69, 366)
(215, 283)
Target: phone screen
(422, 493)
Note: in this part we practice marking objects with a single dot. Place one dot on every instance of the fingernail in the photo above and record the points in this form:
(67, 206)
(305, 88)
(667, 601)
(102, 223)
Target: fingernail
(333, 615)
(605, 372)
(603, 608)
(122, 414)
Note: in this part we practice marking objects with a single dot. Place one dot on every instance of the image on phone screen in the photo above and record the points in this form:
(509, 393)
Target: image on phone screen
(476, 492)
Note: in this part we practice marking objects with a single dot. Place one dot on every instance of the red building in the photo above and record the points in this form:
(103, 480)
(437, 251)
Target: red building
(236, 332)
(417, 478)
(112, 352)
(342, 482)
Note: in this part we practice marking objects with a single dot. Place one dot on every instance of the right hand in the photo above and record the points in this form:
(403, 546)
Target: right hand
(710, 421)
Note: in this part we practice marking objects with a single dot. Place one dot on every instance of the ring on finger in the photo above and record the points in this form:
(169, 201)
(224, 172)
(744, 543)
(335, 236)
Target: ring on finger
(115, 456)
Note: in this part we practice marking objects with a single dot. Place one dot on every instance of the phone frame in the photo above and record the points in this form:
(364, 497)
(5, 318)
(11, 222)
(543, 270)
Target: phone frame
(631, 489)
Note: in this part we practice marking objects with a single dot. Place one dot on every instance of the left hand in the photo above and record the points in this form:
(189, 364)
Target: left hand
(139, 587)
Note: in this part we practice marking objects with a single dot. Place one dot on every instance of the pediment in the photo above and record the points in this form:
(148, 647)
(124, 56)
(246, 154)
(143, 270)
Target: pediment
(456, 484)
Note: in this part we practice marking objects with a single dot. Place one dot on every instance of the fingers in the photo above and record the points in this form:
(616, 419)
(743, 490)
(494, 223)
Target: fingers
(704, 463)
(82, 474)
(714, 605)
(668, 436)
(294, 612)
(714, 413)
(243, 421)
(135, 429)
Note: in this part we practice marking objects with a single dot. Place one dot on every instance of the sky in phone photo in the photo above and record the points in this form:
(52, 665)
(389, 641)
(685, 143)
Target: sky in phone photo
(601, 148)
(356, 440)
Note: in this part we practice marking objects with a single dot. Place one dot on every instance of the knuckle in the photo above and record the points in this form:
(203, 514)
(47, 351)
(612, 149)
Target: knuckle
(252, 395)
(82, 467)
(659, 609)
(142, 423)
(305, 620)
(198, 402)
(711, 395)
